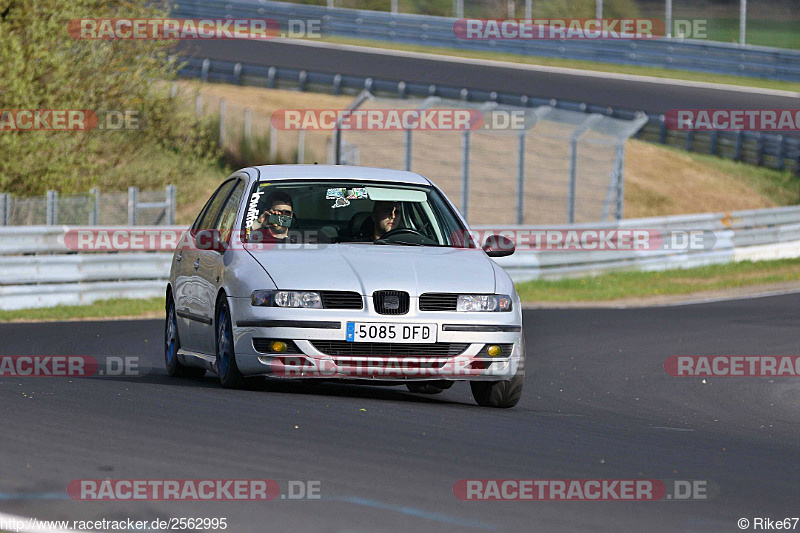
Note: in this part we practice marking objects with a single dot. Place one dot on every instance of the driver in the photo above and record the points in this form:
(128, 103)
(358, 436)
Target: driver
(385, 217)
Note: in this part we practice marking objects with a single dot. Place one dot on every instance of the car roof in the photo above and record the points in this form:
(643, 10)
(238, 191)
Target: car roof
(338, 172)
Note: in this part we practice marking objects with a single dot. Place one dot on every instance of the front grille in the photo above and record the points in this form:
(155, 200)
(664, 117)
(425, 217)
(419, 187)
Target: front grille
(389, 349)
(438, 301)
(341, 300)
(262, 345)
(391, 302)
(505, 350)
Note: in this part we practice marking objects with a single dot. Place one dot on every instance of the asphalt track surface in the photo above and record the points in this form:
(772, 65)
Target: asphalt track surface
(598, 405)
(653, 97)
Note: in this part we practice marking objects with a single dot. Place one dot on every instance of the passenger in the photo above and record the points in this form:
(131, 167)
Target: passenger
(280, 208)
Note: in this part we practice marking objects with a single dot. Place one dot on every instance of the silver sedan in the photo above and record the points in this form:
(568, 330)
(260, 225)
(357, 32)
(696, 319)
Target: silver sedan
(340, 272)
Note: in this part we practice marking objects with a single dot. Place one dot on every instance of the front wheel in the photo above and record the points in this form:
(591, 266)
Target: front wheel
(225, 365)
(172, 344)
(502, 394)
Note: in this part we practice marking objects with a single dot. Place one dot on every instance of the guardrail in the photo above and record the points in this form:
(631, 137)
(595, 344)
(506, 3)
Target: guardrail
(693, 55)
(756, 148)
(40, 271)
(752, 235)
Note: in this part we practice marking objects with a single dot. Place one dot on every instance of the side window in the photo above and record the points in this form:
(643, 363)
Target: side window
(209, 217)
(226, 220)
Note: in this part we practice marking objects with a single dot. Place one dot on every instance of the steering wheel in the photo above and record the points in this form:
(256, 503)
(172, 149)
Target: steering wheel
(401, 231)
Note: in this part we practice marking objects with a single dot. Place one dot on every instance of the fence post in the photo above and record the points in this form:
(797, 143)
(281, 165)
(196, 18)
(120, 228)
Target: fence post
(465, 146)
(737, 154)
(222, 122)
(204, 69)
(170, 205)
(521, 178)
(713, 143)
(407, 151)
(133, 201)
(273, 144)
(52, 208)
(573, 178)
(247, 127)
(781, 152)
(759, 149)
(618, 212)
(5, 209)
(94, 216)
(301, 146)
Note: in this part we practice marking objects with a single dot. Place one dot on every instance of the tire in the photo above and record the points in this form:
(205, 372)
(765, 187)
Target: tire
(503, 394)
(225, 365)
(426, 387)
(172, 344)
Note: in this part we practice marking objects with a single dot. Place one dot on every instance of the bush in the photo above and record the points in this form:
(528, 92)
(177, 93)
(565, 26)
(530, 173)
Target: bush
(45, 68)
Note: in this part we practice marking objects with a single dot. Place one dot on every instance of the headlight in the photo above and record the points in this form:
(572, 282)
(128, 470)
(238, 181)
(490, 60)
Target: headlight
(304, 299)
(483, 302)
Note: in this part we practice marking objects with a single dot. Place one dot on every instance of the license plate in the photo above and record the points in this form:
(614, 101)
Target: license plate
(386, 332)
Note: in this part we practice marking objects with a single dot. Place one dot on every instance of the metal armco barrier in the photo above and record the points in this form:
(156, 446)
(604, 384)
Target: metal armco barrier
(695, 55)
(48, 275)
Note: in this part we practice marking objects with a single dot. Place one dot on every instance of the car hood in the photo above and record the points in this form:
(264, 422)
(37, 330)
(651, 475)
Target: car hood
(366, 268)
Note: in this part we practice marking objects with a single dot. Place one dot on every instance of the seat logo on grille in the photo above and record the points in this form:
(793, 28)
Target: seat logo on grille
(391, 301)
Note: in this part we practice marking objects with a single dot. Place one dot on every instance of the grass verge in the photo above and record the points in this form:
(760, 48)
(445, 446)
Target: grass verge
(574, 63)
(633, 284)
(114, 308)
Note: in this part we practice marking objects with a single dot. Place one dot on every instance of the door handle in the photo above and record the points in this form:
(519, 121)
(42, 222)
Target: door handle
(197, 264)
(179, 257)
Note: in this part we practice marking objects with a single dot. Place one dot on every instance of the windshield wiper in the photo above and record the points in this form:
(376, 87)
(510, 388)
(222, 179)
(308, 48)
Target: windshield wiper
(403, 243)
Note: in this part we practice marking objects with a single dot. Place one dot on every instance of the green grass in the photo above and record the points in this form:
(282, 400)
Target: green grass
(576, 64)
(779, 186)
(778, 33)
(632, 284)
(118, 307)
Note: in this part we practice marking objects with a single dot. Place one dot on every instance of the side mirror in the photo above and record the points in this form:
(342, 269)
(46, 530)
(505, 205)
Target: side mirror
(498, 246)
(210, 239)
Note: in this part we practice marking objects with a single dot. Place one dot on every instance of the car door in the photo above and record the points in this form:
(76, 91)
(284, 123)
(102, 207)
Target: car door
(182, 280)
(196, 312)
(209, 272)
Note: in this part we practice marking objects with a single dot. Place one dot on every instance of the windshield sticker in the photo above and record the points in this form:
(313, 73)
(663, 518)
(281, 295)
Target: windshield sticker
(359, 193)
(252, 210)
(334, 193)
(340, 202)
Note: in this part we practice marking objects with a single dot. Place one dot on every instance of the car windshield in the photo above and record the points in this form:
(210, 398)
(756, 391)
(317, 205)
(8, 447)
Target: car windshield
(351, 212)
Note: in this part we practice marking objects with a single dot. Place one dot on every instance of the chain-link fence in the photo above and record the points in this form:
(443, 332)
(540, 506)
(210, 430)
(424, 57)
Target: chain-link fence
(144, 208)
(560, 166)
(556, 166)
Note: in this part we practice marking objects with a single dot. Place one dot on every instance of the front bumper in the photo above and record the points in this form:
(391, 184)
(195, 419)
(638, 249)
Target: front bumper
(471, 331)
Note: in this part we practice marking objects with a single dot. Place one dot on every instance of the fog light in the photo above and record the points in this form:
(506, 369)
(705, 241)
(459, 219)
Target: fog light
(278, 346)
(494, 350)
